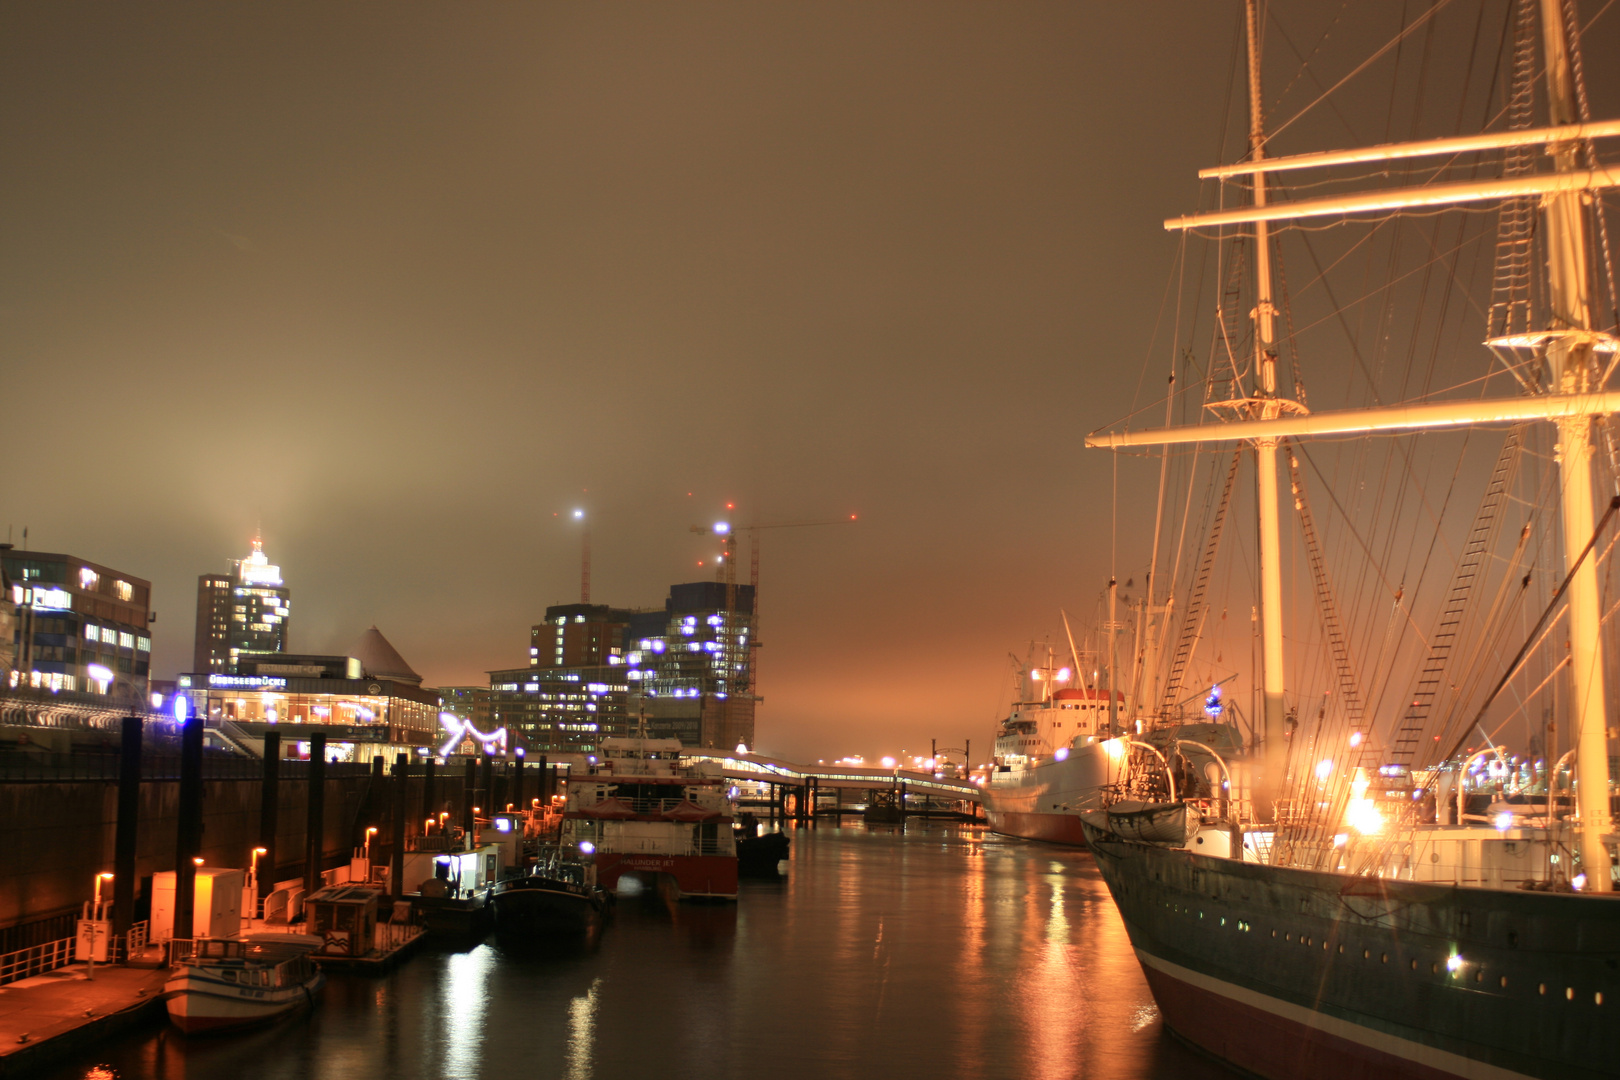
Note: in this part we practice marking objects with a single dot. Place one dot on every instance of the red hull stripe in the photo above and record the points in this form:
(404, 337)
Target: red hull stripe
(694, 875)
(1053, 828)
(1279, 1040)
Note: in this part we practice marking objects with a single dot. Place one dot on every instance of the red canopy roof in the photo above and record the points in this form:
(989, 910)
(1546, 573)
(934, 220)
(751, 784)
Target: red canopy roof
(687, 810)
(610, 808)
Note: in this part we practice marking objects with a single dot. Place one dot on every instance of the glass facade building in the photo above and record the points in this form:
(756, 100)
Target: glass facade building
(78, 626)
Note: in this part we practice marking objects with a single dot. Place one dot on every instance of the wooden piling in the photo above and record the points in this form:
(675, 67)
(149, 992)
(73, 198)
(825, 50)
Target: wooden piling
(124, 841)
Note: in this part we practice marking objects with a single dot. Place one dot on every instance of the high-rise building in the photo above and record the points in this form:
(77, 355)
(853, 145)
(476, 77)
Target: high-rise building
(78, 626)
(572, 694)
(596, 671)
(691, 672)
(241, 613)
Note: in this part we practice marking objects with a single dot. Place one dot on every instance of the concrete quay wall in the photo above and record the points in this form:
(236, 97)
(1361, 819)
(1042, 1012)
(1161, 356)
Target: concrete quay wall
(55, 836)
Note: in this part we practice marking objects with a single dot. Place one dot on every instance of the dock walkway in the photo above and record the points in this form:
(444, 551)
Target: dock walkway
(48, 1017)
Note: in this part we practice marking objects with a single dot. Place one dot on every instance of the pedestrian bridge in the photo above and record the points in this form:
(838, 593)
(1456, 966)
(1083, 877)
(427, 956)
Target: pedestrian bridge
(769, 770)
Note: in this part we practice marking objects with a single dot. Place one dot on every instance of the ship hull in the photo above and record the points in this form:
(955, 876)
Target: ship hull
(1043, 802)
(1292, 973)
(545, 906)
(694, 877)
(1060, 828)
(199, 1004)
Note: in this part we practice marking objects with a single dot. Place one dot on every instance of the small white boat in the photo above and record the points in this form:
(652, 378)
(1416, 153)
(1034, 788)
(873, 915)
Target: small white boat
(228, 983)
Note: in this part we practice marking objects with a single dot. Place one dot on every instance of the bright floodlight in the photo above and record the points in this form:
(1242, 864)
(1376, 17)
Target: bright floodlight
(1324, 769)
(888, 762)
(586, 847)
(721, 528)
(579, 513)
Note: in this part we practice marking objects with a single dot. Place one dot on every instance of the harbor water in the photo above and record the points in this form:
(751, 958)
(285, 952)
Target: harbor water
(941, 952)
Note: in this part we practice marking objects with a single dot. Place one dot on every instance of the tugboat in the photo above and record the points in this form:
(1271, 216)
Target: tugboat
(559, 896)
(226, 984)
(643, 810)
(759, 852)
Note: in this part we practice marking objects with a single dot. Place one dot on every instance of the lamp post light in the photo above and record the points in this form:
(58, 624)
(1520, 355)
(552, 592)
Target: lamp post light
(95, 925)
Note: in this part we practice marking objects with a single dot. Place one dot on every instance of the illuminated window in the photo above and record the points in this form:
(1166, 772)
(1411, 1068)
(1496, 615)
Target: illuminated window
(109, 636)
(126, 641)
(144, 644)
(91, 633)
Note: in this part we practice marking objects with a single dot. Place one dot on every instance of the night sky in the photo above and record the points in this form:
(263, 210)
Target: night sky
(405, 285)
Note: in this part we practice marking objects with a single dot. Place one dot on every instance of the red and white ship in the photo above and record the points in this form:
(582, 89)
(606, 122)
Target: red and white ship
(1053, 756)
(643, 810)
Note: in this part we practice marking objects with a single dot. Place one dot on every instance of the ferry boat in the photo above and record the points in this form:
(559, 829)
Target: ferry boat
(1337, 917)
(559, 895)
(640, 808)
(225, 984)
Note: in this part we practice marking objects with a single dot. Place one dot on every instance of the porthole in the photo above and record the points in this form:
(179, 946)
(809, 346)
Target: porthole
(1569, 993)
(1274, 933)
(1504, 982)
(1414, 965)
(1383, 958)
(1366, 954)
(1341, 950)
(1479, 976)
(1434, 969)
(1597, 998)
(1288, 936)
(1541, 988)
(1325, 945)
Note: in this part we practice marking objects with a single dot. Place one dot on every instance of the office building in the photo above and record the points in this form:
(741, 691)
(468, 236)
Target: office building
(240, 613)
(596, 671)
(78, 626)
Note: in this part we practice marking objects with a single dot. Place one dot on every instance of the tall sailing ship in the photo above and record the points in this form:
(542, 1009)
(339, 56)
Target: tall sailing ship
(1392, 889)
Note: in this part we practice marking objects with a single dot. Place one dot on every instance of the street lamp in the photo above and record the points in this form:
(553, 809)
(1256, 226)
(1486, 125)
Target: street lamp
(372, 831)
(96, 924)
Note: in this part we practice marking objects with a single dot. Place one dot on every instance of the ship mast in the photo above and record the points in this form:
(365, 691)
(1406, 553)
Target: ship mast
(1573, 392)
(1265, 406)
(1570, 371)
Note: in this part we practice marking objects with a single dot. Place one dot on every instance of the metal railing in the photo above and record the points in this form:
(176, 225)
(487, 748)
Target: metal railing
(36, 959)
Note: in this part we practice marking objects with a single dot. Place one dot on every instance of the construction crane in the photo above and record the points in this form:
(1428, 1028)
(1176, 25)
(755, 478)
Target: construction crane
(726, 573)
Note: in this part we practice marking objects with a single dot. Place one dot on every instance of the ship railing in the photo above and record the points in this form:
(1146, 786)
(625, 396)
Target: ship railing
(659, 806)
(387, 936)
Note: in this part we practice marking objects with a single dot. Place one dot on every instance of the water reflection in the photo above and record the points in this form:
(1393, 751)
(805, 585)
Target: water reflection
(463, 1002)
(582, 1033)
(941, 952)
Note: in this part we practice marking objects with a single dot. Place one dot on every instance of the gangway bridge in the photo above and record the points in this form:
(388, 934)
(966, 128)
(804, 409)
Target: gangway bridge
(795, 790)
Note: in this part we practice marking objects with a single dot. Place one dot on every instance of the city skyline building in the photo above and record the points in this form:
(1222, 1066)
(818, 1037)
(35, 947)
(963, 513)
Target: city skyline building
(77, 626)
(596, 671)
(242, 612)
